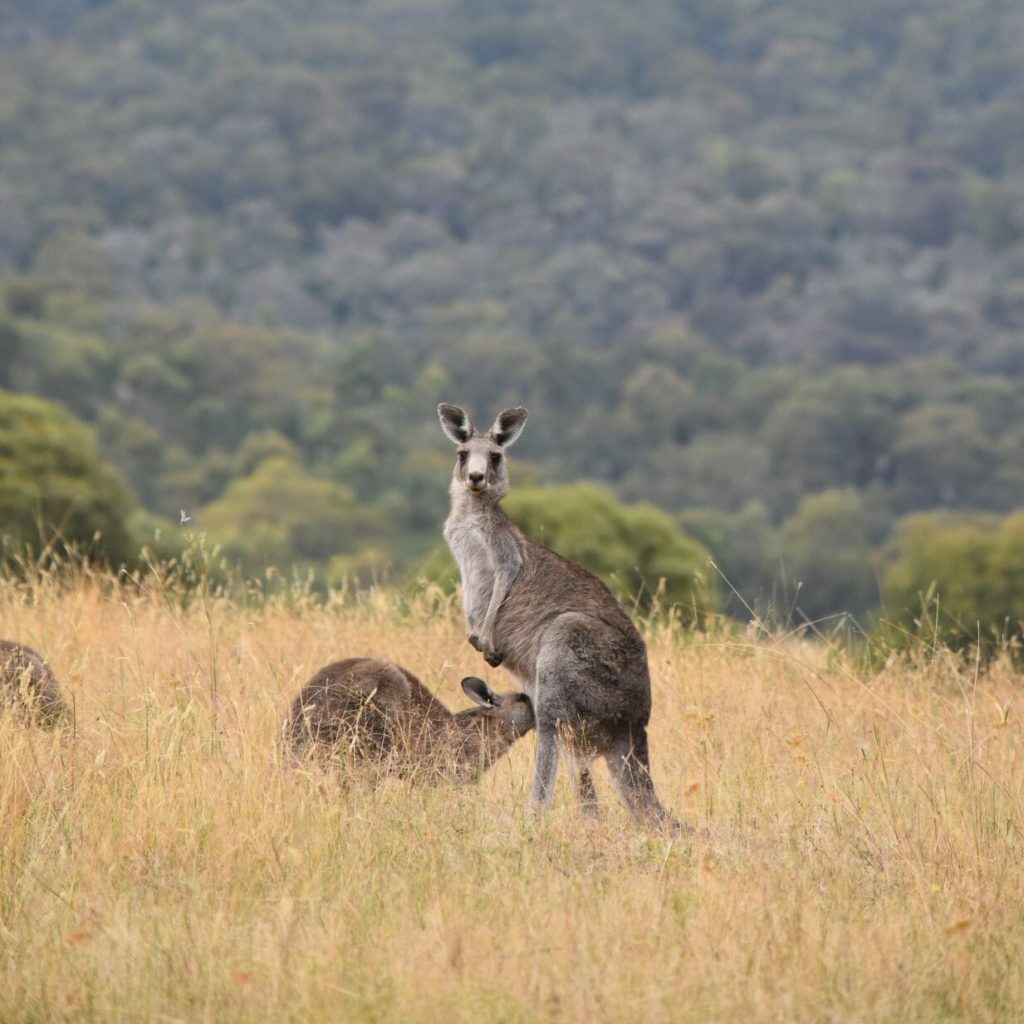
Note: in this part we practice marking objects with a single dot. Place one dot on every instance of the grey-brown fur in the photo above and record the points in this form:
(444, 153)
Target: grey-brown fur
(26, 682)
(555, 626)
(374, 713)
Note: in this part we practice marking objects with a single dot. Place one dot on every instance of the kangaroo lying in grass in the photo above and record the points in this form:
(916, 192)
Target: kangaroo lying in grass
(26, 682)
(373, 713)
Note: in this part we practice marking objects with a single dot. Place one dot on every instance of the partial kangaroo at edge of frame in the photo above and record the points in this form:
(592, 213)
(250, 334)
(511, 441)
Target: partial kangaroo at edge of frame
(551, 623)
(27, 683)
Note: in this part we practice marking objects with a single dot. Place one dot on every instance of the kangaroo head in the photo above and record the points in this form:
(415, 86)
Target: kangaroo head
(512, 713)
(480, 465)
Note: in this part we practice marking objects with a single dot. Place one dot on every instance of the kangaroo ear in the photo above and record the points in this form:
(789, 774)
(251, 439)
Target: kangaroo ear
(477, 690)
(508, 426)
(455, 422)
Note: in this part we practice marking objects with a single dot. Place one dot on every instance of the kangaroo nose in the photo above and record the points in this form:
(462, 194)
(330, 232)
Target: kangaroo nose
(476, 478)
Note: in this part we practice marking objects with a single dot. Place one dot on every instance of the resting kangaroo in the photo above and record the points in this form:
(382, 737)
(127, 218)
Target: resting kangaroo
(555, 626)
(26, 680)
(379, 715)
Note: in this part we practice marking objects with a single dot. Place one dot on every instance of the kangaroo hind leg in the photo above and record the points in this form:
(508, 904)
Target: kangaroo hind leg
(629, 764)
(545, 769)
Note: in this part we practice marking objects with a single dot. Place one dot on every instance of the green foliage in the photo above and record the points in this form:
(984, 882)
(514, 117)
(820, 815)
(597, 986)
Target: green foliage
(744, 546)
(816, 564)
(68, 365)
(943, 456)
(279, 514)
(136, 449)
(731, 255)
(826, 554)
(54, 490)
(956, 580)
(831, 430)
(25, 297)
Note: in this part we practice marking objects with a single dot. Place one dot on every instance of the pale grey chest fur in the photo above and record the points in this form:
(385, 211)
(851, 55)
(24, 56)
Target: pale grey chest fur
(473, 556)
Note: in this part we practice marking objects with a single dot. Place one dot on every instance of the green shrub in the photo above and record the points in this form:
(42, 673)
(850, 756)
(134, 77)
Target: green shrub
(54, 489)
(956, 581)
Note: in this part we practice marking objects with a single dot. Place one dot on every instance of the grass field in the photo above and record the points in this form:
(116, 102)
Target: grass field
(857, 853)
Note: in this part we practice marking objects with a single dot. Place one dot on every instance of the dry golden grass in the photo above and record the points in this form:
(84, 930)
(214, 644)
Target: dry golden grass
(857, 854)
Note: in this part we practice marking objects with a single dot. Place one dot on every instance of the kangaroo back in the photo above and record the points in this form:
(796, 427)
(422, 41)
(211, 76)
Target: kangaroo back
(27, 682)
(372, 713)
(359, 708)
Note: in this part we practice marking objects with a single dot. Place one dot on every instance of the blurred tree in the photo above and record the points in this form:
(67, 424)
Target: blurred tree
(25, 297)
(136, 449)
(721, 471)
(825, 550)
(10, 349)
(261, 445)
(73, 259)
(656, 406)
(279, 514)
(66, 365)
(831, 430)
(746, 173)
(942, 457)
(744, 545)
(956, 580)
(54, 490)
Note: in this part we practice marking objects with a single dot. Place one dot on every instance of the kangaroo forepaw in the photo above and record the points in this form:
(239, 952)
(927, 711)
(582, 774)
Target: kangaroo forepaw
(490, 655)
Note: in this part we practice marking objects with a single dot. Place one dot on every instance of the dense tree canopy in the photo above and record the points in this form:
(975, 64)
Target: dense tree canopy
(759, 264)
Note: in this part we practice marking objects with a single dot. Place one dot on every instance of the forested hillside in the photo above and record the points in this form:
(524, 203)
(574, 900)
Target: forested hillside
(761, 264)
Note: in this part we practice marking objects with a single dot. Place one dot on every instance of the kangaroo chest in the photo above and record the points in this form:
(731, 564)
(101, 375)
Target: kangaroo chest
(475, 559)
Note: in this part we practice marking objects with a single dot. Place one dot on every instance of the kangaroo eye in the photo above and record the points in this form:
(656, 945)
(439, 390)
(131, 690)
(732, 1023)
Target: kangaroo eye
(495, 458)
(463, 455)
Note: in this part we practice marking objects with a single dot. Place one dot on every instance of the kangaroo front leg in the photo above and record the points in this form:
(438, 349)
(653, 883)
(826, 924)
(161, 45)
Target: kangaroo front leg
(508, 563)
(546, 767)
(491, 656)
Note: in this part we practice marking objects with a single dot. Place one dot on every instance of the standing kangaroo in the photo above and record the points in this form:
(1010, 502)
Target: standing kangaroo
(555, 626)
